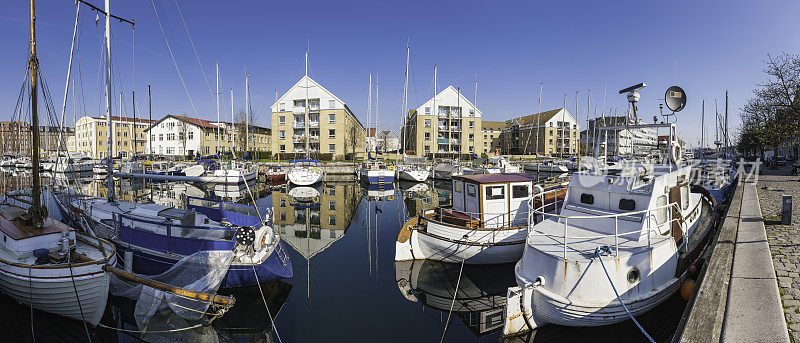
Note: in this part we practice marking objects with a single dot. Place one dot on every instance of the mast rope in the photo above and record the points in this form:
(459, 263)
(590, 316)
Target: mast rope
(172, 56)
(196, 55)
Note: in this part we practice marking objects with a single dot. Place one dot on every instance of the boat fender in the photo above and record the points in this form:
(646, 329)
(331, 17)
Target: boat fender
(266, 239)
(687, 288)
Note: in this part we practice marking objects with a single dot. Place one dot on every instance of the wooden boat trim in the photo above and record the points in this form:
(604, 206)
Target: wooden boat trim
(522, 241)
(223, 300)
(86, 262)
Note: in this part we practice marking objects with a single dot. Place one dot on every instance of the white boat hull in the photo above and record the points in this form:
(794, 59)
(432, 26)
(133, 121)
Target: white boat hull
(304, 176)
(415, 175)
(57, 295)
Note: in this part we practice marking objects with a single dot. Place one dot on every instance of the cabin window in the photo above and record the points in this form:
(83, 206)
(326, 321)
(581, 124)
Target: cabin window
(685, 196)
(661, 213)
(519, 191)
(471, 190)
(495, 193)
(457, 187)
(587, 198)
(627, 204)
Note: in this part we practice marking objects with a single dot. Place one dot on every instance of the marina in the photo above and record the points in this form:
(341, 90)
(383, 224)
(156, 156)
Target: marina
(297, 211)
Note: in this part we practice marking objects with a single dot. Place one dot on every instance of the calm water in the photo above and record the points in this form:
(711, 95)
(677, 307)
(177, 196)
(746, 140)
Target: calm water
(346, 285)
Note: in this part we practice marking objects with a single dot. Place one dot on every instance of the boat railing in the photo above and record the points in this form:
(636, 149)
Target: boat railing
(514, 218)
(647, 216)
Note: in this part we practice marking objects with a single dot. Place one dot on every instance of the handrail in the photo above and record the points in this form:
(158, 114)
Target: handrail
(650, 215)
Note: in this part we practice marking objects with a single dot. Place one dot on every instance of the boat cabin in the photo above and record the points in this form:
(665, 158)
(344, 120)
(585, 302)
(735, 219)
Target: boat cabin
(495, 200)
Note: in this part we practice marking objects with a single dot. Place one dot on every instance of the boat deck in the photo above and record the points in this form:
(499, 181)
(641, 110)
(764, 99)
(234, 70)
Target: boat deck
(548, 237)
(14, 226)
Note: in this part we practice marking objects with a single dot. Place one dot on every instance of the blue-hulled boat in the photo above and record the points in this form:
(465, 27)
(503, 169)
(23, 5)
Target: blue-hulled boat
(151, 237)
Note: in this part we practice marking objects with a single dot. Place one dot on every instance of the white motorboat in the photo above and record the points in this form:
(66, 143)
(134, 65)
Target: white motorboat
(72, 163)
(234, 174)
(486, 223)
(24, 162)
(546, 167)
(304, 172)
(413, 173)
(8, 161)
(620, 245)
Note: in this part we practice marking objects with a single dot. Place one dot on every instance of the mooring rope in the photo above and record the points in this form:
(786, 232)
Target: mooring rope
(77, 296)
(455, 294)
(271, 320)
(597, 253)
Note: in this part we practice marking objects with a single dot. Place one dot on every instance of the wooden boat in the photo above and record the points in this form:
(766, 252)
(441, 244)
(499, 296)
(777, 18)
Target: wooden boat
(53, 268)
(486, 223)
(44, 263)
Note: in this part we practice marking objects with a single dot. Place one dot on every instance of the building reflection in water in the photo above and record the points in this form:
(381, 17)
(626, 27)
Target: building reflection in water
(311, 219)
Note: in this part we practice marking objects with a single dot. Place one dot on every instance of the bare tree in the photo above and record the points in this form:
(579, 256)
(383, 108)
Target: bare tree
(772, 117)
(241, 128)
(351, 141)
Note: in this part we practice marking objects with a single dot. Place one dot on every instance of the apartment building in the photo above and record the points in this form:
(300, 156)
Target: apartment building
(639, 141)
(91, 136)
(492, 137)
(549, 133)
(332, 127)
(175, 135)
(448, 123)
(16, 138)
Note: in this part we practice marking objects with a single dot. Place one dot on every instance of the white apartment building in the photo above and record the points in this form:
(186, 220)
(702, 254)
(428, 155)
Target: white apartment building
(180, 136)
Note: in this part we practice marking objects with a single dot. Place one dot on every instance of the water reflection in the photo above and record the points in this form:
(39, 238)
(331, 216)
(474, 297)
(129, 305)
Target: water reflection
(477, 299)
(311, 219)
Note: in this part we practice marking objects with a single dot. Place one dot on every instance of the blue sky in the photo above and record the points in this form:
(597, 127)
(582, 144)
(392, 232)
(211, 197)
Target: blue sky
(512, 47)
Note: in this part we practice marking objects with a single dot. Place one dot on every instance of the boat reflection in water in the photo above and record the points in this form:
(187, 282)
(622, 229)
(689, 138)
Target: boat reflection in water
(479, 298)
(248, 321)
(311, 219)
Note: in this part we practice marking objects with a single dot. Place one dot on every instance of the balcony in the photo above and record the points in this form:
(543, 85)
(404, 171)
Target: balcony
(442, 140)
(302, 125)
(314, 139)
(299, 110)
(299, 139)
(455, 141)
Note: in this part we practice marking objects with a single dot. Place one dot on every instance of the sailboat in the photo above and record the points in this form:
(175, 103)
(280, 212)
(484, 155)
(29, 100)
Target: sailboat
(152, 238)
(306, 171)
(621, 244)
(238, 172)
(416, 171)
(43, 262)
(374, 171)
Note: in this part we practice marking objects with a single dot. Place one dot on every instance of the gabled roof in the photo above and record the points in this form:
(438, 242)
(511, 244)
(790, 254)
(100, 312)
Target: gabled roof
(452, 91)
(301, 83)
(534, 119)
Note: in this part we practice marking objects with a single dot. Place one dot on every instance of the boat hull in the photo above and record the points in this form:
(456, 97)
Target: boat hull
(53, 291)
(413, 175)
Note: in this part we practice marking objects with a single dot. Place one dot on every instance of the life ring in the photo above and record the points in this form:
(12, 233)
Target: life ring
(391, 167)
(316, 199)
(316, 170)
(391, 197)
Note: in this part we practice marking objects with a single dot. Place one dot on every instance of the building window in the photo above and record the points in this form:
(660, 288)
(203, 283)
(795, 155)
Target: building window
(281, 134)
(427, 110)
(427, 123)
(331, 103)
(332, 205)
(332, 220)
(471, 111)
(191, 135)
(427, 136)
(282, 120)
(471, 137)
(471, 124)
(331, 118)
(282, 107)
(427, 149)
(283, 148)
(332, 148)
(331, 133)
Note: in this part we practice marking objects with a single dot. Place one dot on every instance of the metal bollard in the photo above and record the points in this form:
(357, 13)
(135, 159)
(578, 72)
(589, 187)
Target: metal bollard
(786, 211)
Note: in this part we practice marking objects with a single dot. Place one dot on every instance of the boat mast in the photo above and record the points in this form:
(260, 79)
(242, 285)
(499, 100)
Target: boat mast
(233, 131)
(435, 116)
(703, 128)
(37, 213)
(404, 107)
(278, 153)
(109, 132)
(726, 121)
(218, 119)
(369, 116)
(66, 87)
(376, 118)
(307, 123)
(150, 114)
(247, 112)
(475, 119)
